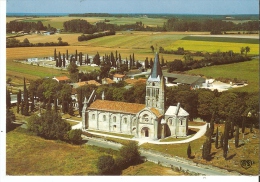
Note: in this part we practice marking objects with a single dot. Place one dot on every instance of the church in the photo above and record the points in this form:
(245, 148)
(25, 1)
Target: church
(150, 120)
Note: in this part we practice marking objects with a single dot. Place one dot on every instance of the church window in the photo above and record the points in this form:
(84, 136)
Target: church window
(181, 121)
(114, 119)
(104, 118)
(153, 84)
(170, 121)
(125, 120)
(93, 116)
(145, 118)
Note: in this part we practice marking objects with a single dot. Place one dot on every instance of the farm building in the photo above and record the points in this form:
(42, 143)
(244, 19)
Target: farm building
(176, 79)
(61, 79)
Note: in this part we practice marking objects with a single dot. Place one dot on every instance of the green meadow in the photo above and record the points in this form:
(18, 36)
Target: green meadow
(248, 70)
(222, 39)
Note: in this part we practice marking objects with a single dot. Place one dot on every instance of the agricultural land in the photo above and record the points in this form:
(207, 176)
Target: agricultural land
(23, 154)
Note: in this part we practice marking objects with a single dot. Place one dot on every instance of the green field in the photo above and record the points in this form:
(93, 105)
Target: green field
(248, 70)
(208, 46)
(222, 39)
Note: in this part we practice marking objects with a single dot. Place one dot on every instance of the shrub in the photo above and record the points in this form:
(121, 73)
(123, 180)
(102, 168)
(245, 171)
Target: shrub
(74, 136)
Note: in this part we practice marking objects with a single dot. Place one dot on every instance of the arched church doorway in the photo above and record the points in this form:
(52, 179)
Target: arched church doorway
(145, 132)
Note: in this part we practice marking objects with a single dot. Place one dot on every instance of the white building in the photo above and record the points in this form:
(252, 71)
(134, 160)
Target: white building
(147, 120)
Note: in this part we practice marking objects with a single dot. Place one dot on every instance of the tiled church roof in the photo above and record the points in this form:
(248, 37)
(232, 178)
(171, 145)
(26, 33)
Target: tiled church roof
(115, 106)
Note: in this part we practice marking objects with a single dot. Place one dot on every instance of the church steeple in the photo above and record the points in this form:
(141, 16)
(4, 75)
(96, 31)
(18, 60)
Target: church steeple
(156, 70)
(155, 87)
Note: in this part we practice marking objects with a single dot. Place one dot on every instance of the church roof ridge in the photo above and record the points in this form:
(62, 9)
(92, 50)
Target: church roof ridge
(116, 106)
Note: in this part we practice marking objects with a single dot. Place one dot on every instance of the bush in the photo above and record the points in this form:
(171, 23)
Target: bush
(74, 136)
(106, 165)
(49, 125)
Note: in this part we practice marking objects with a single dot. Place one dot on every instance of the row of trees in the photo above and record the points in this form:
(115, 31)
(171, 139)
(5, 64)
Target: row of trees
(95, 35)
(202, 102)
(26, 26)
(12, 42)
(209, 59)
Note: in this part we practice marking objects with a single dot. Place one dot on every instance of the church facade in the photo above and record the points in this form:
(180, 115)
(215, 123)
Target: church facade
(149, 120)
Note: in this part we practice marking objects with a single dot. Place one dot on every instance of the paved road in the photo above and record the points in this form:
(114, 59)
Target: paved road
(165, 160)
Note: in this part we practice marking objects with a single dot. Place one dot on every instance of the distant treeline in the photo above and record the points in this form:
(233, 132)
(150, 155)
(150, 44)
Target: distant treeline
(173, 24)
(27, 26)
(12, 42)
(181, 16)
(214, 26)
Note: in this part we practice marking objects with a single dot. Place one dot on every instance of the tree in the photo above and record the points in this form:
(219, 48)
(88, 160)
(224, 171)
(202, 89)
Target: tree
(55, 55)
(96, 59)
(73, 71)
(75, 136)
(247, 49)
(189, 151)
(49, 125)
(237, 136)
(8, 99)
(225, 139)
(216, 141)
(130, 153)
(10, 118)
(242, 50)
(105, 165)
(152, 48)
(176, 65)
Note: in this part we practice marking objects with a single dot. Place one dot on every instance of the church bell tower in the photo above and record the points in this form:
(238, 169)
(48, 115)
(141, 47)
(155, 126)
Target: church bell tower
(155, 87)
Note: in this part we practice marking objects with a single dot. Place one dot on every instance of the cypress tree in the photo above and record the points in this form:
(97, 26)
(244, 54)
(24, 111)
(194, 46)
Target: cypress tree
(57, 63)
(221, 141)
(134, 59)
(232, 129)
(237, 137)
(189, 151)
(225, 140)
(67, 54)
(60, 61)
(55, 104)
(76, 56)
(212, 123)
(19, 98)
(146, 63)
(8, 99)
(120, 60)
(131, 62)
(243, 125)
(55, 54)
(25, 97)
(22, 107)
(216, 141)
(63, 61)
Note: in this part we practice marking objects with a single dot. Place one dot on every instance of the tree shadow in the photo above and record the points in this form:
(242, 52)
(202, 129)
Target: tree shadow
(13, 126)
(240, 145)
(191, 132)
(231, 157)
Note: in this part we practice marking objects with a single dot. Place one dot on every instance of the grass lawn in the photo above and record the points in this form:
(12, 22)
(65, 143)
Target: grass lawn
(248, 70)
(26, 156)
(32, 155)
(149, 169)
